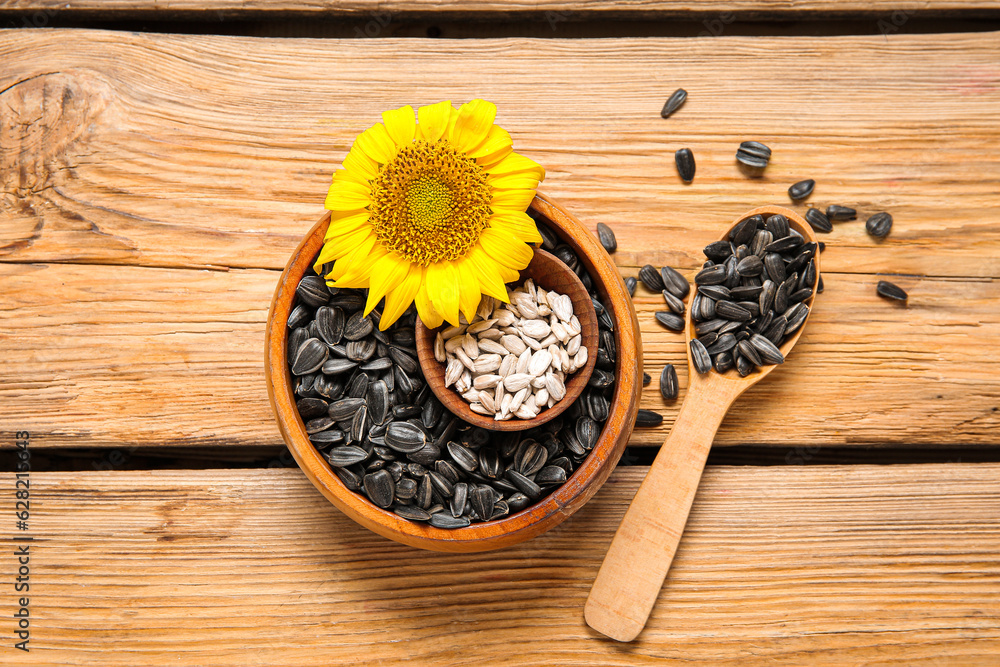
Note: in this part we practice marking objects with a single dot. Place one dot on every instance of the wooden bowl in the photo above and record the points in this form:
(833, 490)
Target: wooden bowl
(550, 272)
(549, 511)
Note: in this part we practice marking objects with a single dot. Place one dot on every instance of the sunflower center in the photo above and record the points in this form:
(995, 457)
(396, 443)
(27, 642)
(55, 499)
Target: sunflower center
(430, 203)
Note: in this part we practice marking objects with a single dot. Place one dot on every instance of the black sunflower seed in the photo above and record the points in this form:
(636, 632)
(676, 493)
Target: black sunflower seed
(669, 320)
(753, 154)
(412, 512)
(405, 437)
(630, 284)
(684, 159)
(743, 365)
(879, 225)
(760, 242)
(715, 292)
(668, 382)
(713, 275)
(650, 277)
(768, 351)
(783, 245)
(341, 457)
(673, 102)
(840, 213)
(607, 237)
(818, 221)
(482, 500)
(722, 362)
(743, 232)
(730, 311)
(718, 250)
(380, 488)
(674, 282)
(446, 520)
(299, 316)
(802, 189)
(312, 290)
(648, 419)
(524, 485)
(723, 343)
(310, 357)
(699, 357)
(778, 226)
(746, 349)
(796, 319)
(673, 303)
(766, 299)
(646, 379)
(890, 291)
(310, 408)
(750, 266)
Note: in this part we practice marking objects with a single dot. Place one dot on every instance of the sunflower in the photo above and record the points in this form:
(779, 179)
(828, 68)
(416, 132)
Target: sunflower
(431, 212)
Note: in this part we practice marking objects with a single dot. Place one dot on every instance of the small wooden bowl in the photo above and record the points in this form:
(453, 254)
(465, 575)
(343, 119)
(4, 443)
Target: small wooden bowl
(549, 272)
(534, 520)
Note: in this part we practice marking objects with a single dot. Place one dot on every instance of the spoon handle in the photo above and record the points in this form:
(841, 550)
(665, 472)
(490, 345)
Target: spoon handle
(636, 564)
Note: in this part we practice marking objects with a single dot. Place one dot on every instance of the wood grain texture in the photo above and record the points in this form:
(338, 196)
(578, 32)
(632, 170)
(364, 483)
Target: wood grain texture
(123, 356)
(879, 565)
(205, 151)
(481, 8)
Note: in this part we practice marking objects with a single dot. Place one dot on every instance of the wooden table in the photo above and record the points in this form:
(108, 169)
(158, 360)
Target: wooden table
(153, 186)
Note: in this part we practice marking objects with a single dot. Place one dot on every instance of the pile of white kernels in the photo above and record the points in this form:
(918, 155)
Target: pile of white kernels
(513, 359)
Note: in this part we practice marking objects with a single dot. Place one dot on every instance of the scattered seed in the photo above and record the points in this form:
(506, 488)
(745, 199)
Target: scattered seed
(840, 213)
(818, 221)
(648, 419)
(668, 382)
(802, 189)
(650, 277)
(673, 103)
(674, 282)
(879, 225)
(753, 154)
(684, 159)
(669, 320)
(891, 291)
(607, 237)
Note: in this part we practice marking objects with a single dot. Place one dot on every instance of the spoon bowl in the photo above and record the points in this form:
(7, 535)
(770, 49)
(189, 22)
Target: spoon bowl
(637, 562)
(547, 271)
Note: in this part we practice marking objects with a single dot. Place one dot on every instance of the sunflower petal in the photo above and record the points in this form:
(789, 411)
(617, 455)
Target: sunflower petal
(515, 163)
(519, 225)
(400, 298)
(505, 249)
(343, 264)
(376, 143)
(496, 144)
(360, 166)
(425, 309)
(347, 195)
(473, 124)
(400, 124)
(441, 280)
(434, 120)
(345, 222)
(360, 269)
(343, 244)
(488, 273)
(468, 289)
(515, 201)
(512, 181)
(386, 275)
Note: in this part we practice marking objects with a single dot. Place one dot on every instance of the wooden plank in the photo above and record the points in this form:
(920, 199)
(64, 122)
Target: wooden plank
(123, 356)
(588, 9)
(202, 151)
(886, 565)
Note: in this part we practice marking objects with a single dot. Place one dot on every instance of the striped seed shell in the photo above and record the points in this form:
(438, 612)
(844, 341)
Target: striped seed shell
(673, 103)
(891, 291)
(699, 357)
(668, 382)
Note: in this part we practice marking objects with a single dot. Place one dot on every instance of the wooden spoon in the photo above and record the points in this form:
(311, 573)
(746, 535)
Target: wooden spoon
(636, 565)
(551, 273)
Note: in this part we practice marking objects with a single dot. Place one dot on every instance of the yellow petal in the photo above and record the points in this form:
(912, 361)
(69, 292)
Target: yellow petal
(347, 195)
(497, 144)
(345, 222)
(487, 272)
(342, 265)
(511, 200)
(474, 121)
(343, 244)
(360, 268)
(519, 225)
(514, 163)
(505, 249)
(425, 309)
(400, 124)
(400, 298)
(386, 275)
(512, 182)
(362, 167)
(441, 280)
(434, 120)
(376, 143)
(468, 289)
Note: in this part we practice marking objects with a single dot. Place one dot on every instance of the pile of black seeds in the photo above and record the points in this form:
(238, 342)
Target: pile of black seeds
(753, 294)
(367, 409)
